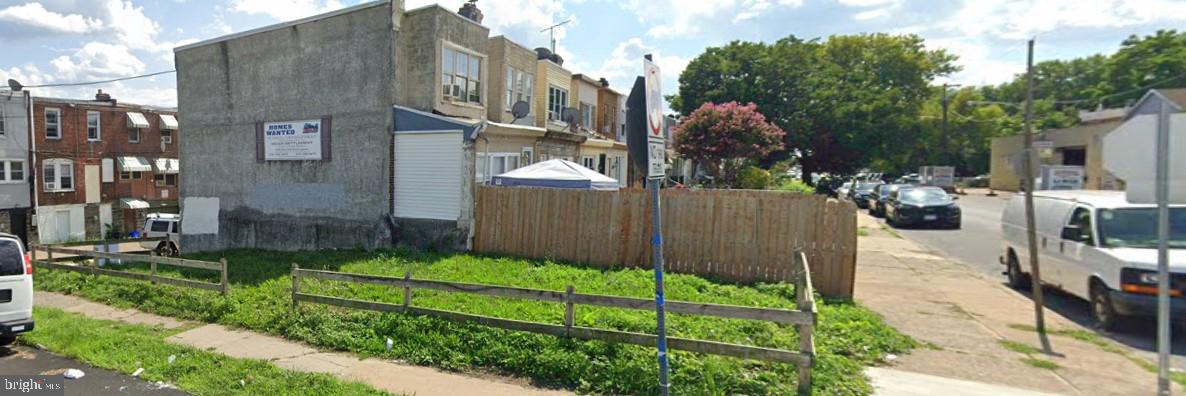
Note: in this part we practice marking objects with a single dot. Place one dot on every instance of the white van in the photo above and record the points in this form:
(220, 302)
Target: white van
(158, 225)
(1097, 246)
(16, 289)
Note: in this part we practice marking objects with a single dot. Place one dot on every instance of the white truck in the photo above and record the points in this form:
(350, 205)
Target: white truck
(158, 225)
(16, 289)
(1097, 246)
(938, 176)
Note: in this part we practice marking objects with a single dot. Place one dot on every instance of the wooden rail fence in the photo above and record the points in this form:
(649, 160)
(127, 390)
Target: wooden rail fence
(153, 260)
(803, 318)
(743, 236)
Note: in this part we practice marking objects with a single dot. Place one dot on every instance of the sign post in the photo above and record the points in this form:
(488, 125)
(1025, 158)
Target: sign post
(646, 142)
(656, 164)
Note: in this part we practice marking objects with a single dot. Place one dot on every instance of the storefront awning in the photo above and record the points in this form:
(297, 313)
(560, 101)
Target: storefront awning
(130, 203)
(133, 164)
(167, 166)
(168, 122)
(137, 120)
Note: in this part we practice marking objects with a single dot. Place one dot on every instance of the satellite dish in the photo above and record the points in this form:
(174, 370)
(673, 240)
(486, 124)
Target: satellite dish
(571, 116)
(14, 85)
(520, 109)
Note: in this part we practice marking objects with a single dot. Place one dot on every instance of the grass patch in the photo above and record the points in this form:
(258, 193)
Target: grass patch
(126, 347)
(863, 231)
(1095, 339)
(848, 337)
(1041, 363)
(1019, 347)
(891, 231)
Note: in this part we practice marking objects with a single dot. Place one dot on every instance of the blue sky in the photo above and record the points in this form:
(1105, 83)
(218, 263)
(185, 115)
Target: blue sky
(58, 41)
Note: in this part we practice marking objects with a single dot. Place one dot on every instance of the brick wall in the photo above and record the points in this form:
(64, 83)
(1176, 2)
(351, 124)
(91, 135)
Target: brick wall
(113, 143)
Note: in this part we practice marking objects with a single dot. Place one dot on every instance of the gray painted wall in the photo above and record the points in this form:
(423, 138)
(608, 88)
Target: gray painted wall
(340, 66)
(14, 144)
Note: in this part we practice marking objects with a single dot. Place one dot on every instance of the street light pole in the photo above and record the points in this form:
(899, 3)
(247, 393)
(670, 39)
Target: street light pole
(1163, 235)
(1028, 170)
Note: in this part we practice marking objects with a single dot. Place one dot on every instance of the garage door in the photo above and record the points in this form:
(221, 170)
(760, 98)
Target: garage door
(428, 175)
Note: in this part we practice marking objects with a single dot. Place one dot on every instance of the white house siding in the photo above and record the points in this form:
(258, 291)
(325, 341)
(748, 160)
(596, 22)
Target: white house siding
(427, 177)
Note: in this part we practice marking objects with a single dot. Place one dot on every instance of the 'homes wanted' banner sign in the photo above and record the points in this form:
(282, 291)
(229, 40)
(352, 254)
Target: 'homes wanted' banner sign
(305, 140)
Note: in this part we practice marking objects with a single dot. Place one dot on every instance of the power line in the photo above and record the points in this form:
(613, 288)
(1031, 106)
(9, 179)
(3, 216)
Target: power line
(100, 82)
(1124, 92)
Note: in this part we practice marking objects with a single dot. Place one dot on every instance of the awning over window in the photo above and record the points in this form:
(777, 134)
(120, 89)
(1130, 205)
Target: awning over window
(167, 166)
(133, 164)
(168, 122)
(137, 120)
(130, 203)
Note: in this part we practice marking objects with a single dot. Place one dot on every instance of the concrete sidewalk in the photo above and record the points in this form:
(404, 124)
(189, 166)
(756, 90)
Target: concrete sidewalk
(965, 320)
(385, 375)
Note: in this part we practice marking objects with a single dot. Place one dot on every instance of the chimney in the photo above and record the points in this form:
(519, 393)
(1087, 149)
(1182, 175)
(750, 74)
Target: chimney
(604, 82)
(103, 97)
(470, 10)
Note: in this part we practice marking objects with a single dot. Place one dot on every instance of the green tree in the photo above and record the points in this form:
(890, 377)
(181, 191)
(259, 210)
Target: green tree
(844, 102)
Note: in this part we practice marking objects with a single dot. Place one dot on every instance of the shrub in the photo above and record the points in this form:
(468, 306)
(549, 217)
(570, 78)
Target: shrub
(796, 185)
(753, 178)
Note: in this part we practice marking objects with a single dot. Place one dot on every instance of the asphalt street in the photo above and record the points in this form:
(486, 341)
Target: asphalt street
(22, 360)
(978, 245)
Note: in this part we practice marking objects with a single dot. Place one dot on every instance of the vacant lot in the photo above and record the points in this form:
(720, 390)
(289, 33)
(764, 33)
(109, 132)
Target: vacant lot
(848, 337)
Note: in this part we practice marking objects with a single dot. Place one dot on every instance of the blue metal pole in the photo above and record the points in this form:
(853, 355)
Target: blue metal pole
(657, 255)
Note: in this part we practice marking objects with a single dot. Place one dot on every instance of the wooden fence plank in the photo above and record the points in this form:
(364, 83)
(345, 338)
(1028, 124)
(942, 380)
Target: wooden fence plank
(130, 275)
(207, 265)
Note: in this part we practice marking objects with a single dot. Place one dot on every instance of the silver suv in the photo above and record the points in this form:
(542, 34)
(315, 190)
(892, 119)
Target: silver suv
(16, 289)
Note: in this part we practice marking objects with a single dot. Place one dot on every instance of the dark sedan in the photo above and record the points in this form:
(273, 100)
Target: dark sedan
(922, 206)
(861, 192)
(880, 196)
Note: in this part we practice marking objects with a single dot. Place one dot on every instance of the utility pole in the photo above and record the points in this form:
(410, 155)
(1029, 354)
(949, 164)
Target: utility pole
(946, 142)
(1030, 229)
(552, 32)
(1163, 260)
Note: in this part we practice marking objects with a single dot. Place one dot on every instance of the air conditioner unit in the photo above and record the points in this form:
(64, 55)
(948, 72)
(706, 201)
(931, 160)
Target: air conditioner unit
(167, 139)
(51, 186)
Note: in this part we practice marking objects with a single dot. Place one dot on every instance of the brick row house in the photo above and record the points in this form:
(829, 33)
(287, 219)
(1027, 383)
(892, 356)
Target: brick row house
(102, 166)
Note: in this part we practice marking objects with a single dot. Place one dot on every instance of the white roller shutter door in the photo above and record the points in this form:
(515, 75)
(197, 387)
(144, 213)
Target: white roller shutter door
(428, 175)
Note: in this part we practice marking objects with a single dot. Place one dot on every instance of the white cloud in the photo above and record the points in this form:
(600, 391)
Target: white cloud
(96, 61)
(35, 16)
(676, 18)
(867, 3)
(977, 58)
(625, 63)
(285, 10)
(131, 27)
(1017, 19)
(872, 14)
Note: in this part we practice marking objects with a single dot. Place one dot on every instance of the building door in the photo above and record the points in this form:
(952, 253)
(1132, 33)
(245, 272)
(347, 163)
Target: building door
(91, 174)
(61, 226)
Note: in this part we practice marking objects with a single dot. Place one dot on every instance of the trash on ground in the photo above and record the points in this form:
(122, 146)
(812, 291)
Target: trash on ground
(74, 374)
(137, 372)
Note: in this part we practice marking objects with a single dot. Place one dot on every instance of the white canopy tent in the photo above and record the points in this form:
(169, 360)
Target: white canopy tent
(556, 173)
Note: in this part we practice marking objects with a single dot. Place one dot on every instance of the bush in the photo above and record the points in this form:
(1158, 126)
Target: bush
(753, 178)
(796, 185)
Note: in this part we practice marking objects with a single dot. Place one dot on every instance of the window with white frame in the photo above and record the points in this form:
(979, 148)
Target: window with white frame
(587, 112)
(3, 121)
(519, 86)
(58, 175)
(166, 136)
(589, 162)
(133, 135)
(495, 164)
(557, 101)
(12, 171)
(461, 76)
(526, 156)
(53, 123)
(92, 126)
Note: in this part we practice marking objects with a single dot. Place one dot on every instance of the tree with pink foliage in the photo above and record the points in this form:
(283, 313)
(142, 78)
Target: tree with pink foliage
(726, 138)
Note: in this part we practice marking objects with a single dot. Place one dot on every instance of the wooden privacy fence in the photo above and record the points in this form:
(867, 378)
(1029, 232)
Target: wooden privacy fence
(803, 318)
(744, 236)
(153, 260)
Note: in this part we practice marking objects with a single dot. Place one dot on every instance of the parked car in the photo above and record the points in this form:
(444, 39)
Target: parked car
(1097, 246)
(167, 225)
(844, 189)
(922, 206)
(879, 197)
(16, 289)
(913, 179)
(860, 194)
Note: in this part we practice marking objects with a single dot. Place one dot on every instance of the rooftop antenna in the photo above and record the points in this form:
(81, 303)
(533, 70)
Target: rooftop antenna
(552, 32)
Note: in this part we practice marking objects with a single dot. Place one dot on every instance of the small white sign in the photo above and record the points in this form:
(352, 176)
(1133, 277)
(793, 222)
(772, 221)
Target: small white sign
(292, 140)
(656, 141)
(657, 155)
